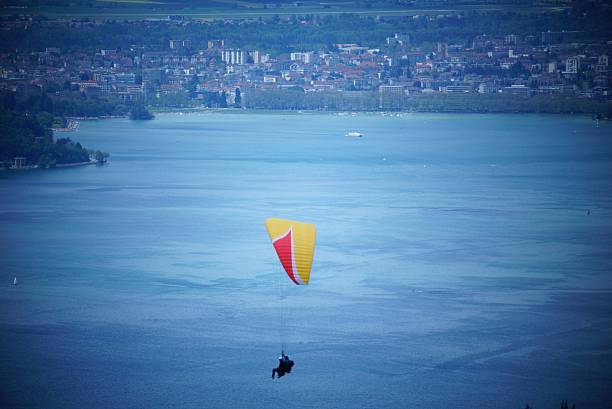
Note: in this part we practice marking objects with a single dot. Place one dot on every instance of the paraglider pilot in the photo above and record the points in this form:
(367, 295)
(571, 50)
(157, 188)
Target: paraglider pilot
(284, 366)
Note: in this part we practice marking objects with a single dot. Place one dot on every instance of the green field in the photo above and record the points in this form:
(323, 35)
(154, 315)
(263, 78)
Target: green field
(236, 9)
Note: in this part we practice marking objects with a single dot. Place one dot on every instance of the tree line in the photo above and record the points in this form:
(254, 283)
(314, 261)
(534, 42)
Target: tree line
(461, 103)
(315, 32)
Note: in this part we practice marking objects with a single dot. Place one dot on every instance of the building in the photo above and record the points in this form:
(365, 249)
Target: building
(259, 57)
(362, 83)
(461, 89)
(602, 60)
(179, 44)
(510, 39)
(390, 96)
(125, 78)
(517, 89)
(269, 79)
(442, 50)
(19, 162)
(351, 48)
(487, 88)
(572, 65)
(414, 58)
(216, 44)
(399, 39)
(232, 56)
(482, 41)
(305, 57)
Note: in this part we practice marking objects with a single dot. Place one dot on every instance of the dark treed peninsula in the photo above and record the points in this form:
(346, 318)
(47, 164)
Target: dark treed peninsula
(25, 142)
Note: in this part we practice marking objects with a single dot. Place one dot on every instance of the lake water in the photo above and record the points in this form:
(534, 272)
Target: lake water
(456, 265)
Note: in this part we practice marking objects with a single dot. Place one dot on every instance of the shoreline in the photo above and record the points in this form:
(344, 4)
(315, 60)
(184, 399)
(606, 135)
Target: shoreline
(200, 110)
(93, 118)
(72, 126)
(74, 122)
(72, 165)
(60, 166)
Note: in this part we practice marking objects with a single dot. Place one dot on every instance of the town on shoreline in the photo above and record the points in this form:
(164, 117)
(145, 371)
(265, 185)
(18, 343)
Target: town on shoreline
(522, 60)
(455, 62)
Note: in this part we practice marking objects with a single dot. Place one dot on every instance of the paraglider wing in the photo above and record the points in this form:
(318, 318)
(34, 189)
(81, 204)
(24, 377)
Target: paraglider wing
(294, 243)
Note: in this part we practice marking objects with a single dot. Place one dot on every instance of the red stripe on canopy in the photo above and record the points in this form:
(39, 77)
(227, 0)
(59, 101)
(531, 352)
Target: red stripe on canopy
(283, 247)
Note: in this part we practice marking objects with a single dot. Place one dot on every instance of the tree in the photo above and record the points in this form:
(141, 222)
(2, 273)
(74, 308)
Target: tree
(101, 157)
(139, 112)
(237, 99)
(192, 84)
(45, 119)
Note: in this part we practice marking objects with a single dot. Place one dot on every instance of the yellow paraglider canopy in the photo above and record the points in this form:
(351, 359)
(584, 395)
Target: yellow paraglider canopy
(294, 243)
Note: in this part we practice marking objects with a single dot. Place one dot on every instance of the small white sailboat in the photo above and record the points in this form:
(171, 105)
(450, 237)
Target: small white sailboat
(15, 281)
(355, 134)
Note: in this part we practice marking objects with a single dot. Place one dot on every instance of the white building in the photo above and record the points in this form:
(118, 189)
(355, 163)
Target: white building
(259, 57)
(216, 44)
(232, 56)
(510, 39)
(179, 44)
(399, 39)
(305, 57)
(572, 65)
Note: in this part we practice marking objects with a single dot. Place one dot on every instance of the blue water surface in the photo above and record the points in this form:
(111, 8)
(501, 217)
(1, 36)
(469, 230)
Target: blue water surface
(456, 264)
